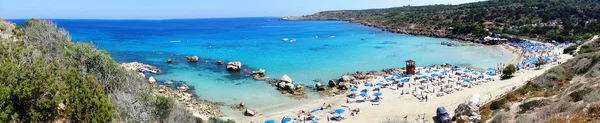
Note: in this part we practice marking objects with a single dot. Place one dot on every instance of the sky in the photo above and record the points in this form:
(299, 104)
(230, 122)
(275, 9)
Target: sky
(177, 9)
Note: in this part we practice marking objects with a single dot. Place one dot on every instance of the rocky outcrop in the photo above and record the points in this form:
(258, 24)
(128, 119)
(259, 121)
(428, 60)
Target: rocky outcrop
(249, 112)
(219, 62)
(234, 66)
(260, 74)
(200, 107)
(462, 109)
(169, 60)
(140, 67)
(192, 58)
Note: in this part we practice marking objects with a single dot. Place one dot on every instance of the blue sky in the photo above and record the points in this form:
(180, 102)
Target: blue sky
(170, 9)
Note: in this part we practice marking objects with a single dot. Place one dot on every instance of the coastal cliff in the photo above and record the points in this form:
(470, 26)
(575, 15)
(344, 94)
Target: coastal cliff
(566, 20)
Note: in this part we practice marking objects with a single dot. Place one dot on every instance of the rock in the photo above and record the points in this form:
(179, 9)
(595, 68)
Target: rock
(161, 90)
(219, 62)
(183, 88)
(462, 109)
(152, 80)
(249, 112)
(298, 86)
(170, 82)
(290, 86)
(285, 78)
(259, 72)
(346, 78)
(234, 66)
(192, 58)
(169, 60)
(319, 87)
(332, 83)
(281, 85)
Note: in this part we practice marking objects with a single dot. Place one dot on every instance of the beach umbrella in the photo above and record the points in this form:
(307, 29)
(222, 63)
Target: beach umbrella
(353, 89)
(404, 80)
(363, 94)
(427, 71)
(443, 72)
(378, 93)
(419, 73)
(397, 75)
(379, 84)
(409, 75)
(467, 80)
(340, 110)
(436, 70)
(491, 68)
(286, 120)
(459, 68)
(434, 75)
(389, 79)
(314, 110)
(314, 122)
(466, 71)
(368, 84)
(490, 74)
(425, 77)
(270, 121)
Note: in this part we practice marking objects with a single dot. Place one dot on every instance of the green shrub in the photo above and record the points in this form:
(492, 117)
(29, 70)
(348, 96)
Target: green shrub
(2, 28)
(508, 71)
(163, 106)
(499, 104)
(533, 104)
(199, 120)
(570, 49)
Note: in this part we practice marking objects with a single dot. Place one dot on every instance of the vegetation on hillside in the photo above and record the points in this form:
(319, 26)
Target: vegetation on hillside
(565, 93)
(45, 77)
(560, 20)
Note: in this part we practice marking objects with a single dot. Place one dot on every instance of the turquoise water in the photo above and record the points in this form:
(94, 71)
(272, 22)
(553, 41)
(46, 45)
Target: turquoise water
(257, 43)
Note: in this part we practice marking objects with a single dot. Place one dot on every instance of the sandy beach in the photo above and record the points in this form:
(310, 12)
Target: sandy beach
(394, 106)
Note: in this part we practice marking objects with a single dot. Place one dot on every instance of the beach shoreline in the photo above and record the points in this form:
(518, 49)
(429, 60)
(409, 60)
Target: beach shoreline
(398, 106)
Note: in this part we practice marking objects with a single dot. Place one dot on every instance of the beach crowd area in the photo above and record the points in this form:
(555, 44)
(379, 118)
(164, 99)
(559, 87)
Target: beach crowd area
(403, 97)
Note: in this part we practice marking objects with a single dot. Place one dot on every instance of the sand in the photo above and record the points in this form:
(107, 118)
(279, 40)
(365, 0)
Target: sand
(395, 106)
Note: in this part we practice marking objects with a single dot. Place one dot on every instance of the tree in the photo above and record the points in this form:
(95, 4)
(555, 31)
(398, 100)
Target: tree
(539, 62)
(508, 71)
(163, 106)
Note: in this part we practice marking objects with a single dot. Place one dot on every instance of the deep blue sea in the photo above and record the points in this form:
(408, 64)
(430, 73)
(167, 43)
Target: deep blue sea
(257, 43)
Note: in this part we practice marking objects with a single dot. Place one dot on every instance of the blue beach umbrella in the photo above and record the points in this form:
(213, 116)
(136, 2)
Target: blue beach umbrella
(314, 110)
(466, 71)
(434, 75)
(389, 79)
(467, 80)
(490, 74)
(340, 110)
(419, 73)
(409, 75)
(368, 84)
(353, 89)
(459, 68)
(475, 73)
(491, 68)
(397, 75)
(427, 71)
(363, 94)
(443, 72)
(314, 122)
(286, 120)
(270, 121)
(436, 70)
(379, 84)
(425, 77)
(404, 80)
(378, 93)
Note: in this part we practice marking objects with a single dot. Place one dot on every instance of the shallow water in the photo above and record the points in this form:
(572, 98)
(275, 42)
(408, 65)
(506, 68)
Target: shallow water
(257, 43)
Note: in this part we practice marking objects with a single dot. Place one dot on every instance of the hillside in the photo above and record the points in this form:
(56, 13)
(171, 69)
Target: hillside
(565, 93)
(47, 78)
(558, 20)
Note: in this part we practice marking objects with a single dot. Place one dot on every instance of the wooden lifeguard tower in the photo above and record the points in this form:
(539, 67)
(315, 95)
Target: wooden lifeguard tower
(410, 67)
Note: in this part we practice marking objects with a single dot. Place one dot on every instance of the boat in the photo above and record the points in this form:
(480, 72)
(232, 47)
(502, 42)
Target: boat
(293, 40)
(285, 39)
(332, 36)
(175, 41)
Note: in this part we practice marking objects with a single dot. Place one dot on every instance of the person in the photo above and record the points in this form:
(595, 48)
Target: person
(425, 98)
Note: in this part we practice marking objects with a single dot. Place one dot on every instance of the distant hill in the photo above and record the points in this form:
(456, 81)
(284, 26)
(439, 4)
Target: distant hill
(543, 19)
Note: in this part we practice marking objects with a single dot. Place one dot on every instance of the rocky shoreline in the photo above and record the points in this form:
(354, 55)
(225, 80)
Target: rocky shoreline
(178, 91)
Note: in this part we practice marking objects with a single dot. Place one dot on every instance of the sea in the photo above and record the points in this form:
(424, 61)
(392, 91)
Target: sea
(322, 50)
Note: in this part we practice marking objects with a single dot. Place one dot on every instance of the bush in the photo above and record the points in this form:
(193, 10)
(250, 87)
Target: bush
(163, 106)
(2, 28)
(499, 104)
(578, 95)
(509, 70)
(199, 120)
(533, 104)
(570, 49)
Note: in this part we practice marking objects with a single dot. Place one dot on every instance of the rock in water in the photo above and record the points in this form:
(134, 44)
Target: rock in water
(219, 62)
(234, 66)
(249, 112)
(169, 60)
(192, 58)
(151, 80)
(285, 78)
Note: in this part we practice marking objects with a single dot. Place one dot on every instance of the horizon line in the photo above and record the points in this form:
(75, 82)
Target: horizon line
(143, 18)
